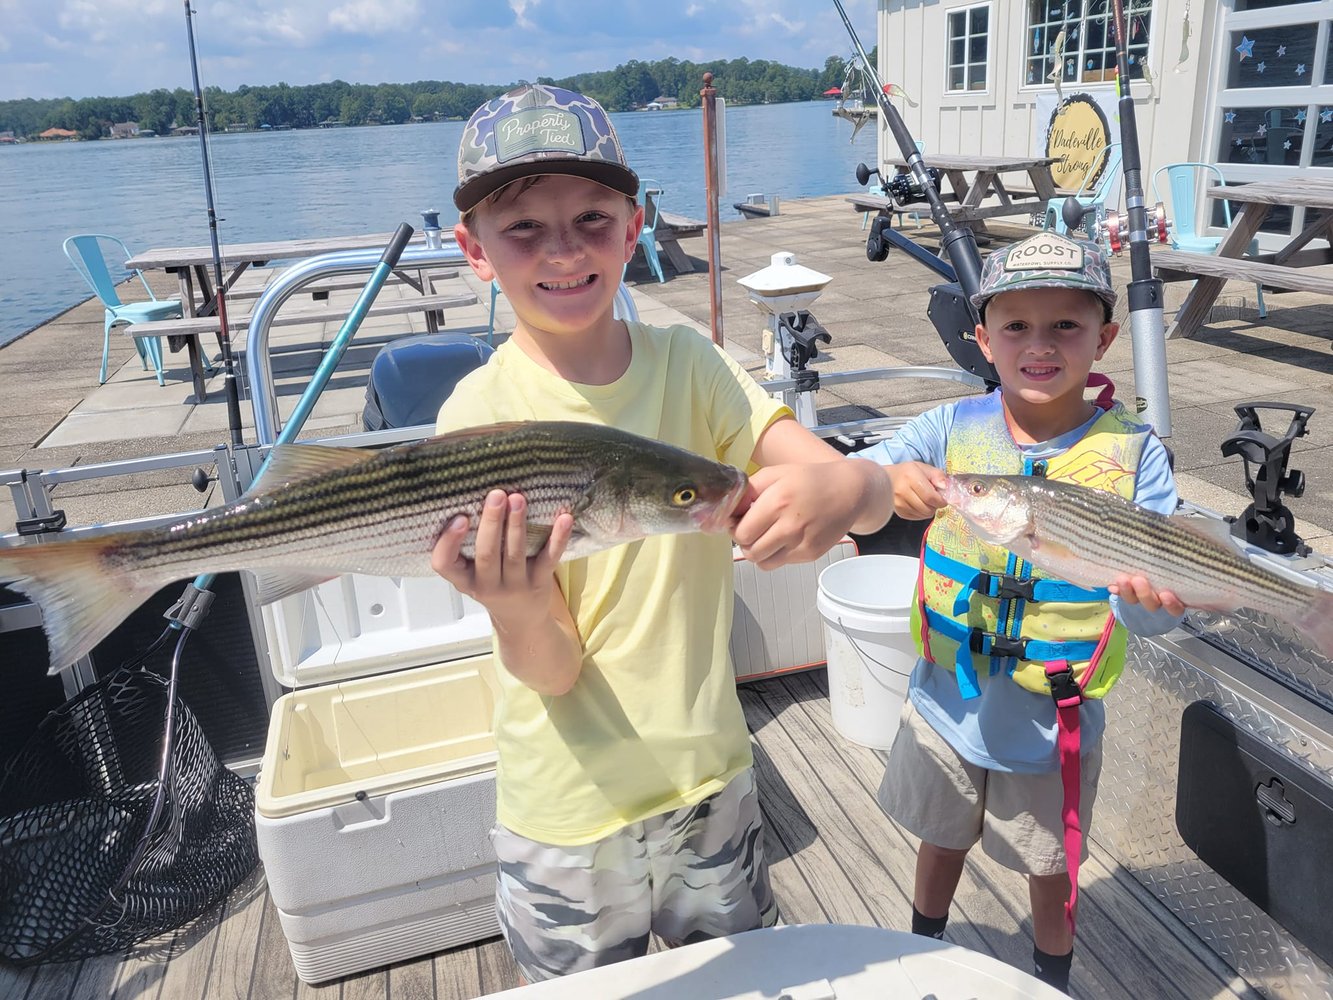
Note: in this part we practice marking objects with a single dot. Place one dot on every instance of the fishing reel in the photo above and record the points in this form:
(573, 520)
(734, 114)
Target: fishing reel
(1109, 228)
(903, 188)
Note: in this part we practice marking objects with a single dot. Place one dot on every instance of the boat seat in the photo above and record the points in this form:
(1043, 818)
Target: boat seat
(412, 376)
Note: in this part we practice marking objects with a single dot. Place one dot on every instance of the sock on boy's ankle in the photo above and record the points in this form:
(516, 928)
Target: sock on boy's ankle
(1053, 970)
(931, 927)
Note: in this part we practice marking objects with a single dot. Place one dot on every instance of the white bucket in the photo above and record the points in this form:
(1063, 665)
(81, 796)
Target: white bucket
(866, 606)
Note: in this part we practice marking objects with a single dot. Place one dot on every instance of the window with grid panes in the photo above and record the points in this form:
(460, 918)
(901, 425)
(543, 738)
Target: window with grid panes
(1088, 54)
(969, 29)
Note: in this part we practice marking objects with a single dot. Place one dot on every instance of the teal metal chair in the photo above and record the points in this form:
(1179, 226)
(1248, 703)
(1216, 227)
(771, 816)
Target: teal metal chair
(85, 252)
(1096, 198)
(1183, 183)
(652, 212)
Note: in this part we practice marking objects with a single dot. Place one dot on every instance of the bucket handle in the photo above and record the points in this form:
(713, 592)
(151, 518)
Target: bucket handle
(861, 652)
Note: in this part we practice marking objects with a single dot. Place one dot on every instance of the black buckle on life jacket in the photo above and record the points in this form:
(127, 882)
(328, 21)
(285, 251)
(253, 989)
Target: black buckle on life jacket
(1007, 587)
(1064, 687)
(1000, 645)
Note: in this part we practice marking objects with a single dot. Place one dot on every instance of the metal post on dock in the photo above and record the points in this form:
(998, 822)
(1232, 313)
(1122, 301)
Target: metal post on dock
(709, 95)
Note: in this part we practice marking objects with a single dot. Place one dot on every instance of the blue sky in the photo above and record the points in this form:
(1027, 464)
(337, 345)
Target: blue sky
(84, 48)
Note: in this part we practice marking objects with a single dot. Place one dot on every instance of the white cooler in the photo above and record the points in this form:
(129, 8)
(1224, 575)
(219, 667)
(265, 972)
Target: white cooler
(376, 796)
(377, 792)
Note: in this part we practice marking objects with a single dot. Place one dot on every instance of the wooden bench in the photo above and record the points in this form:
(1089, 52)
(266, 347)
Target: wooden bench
(190, 328)
(1181, 265)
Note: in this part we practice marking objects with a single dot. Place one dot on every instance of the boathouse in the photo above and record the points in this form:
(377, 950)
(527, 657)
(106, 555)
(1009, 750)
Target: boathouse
(1244, 84)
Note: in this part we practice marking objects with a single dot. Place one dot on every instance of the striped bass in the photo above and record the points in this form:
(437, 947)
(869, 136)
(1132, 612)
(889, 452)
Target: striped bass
(318, 512)
(1090, 537)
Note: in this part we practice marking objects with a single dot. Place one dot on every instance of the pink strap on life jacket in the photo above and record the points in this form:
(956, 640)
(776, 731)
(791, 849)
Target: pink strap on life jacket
(921, 599)
(1106, 398)
(1068, 744)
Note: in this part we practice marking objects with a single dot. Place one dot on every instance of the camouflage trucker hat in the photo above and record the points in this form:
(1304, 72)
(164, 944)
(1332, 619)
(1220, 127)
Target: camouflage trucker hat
(536, 129)
(1047, 260)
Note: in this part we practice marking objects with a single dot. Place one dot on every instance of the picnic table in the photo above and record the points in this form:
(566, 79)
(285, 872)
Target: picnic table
(1285, 268)
(193, 267)
(975, 178)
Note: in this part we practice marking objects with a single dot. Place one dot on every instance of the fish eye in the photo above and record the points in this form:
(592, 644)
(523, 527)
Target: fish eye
(977, 489)
(684, 496)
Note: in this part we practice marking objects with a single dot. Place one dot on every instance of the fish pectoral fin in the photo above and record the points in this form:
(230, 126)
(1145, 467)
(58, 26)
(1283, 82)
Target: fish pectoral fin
(274, 585)
(537, 536)
(290, 462)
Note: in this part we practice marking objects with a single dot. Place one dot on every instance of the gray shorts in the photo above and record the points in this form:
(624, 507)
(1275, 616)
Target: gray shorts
(688, 875)
(949, 802)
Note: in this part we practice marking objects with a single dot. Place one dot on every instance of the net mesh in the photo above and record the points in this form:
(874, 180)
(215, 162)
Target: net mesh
(92, 858)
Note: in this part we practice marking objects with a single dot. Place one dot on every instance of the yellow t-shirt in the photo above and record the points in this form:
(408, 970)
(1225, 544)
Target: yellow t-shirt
(653, 722)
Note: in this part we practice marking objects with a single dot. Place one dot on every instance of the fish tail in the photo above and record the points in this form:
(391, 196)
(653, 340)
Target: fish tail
(1317, 622)
(81, 601)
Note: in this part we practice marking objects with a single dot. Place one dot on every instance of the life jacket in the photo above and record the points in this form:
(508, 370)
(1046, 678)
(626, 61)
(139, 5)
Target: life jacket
(981, 608)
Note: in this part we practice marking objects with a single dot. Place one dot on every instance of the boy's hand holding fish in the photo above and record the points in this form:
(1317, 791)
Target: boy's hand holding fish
(795, 512)
(918, 490)
(1139, 589)
(532, 623)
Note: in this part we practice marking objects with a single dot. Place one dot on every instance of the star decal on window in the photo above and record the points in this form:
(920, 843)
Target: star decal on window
(1245, 48)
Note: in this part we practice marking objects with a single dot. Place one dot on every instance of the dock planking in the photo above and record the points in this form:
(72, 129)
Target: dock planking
(834, 856)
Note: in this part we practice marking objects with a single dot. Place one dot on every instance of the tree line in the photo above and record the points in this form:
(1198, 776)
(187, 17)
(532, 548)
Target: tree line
(630, 85)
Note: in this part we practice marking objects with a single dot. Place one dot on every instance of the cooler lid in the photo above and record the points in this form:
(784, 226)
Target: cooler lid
(357, 626)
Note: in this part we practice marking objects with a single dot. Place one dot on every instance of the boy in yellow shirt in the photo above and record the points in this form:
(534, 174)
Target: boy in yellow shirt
(627, 801)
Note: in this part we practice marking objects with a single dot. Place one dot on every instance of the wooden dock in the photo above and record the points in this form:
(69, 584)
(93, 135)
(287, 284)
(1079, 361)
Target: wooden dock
(834, 857)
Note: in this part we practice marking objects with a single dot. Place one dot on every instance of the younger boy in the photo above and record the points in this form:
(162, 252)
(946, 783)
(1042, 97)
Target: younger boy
(626, 798)
(977, 754)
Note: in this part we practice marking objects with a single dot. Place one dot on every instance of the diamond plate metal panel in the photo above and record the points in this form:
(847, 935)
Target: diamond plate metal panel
(1135, 818)
(1272, 647)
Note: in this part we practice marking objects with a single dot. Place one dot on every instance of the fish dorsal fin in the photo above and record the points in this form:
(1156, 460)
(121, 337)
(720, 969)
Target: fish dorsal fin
(1206, 527)
(288, 463)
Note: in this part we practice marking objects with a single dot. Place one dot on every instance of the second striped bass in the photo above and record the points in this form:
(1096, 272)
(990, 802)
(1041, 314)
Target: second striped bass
(318, 512)
(1090, 537)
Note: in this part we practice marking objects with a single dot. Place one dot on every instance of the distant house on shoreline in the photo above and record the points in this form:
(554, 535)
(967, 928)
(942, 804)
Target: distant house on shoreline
(57, 133)
(6, 137)
(662, 103)
(124, 130)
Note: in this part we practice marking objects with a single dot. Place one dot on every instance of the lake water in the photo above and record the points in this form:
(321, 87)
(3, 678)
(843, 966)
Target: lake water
(285, 185)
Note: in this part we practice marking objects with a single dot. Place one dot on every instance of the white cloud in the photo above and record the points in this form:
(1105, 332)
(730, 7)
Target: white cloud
(86, 42)
(375, 17)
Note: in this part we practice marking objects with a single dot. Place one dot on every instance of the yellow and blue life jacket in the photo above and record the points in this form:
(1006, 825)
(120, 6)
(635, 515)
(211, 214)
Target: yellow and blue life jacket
(981, 608)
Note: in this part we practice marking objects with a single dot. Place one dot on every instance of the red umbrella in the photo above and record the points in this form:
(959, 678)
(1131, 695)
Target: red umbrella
(833, 92)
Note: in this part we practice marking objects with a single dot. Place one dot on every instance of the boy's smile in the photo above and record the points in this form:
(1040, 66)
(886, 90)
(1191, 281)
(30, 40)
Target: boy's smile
(1043, 342)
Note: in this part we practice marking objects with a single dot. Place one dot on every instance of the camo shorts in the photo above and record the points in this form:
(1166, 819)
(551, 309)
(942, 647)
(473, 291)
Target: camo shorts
(688, 875)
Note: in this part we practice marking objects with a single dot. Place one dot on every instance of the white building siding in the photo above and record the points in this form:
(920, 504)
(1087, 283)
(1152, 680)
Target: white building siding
(1171, 113)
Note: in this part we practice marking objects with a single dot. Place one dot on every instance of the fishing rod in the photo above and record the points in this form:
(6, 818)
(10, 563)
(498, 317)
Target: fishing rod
(957, 242)
(230, 389)
(1147, 327)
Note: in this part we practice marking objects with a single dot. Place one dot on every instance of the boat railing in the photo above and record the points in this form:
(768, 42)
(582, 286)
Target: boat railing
(258, 364)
